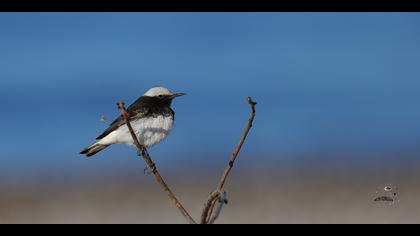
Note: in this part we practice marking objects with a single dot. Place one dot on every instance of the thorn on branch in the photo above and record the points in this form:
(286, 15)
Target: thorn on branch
(231, 164)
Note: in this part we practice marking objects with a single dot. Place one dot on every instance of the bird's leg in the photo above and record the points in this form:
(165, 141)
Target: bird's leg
(145, 151)
(151, 167)
(150, 170)
(146, 170)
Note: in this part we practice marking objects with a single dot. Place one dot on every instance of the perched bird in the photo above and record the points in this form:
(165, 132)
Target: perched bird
(151, 117)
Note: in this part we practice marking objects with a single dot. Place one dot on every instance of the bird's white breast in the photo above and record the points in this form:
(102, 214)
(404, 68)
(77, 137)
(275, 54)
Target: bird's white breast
(149, 130)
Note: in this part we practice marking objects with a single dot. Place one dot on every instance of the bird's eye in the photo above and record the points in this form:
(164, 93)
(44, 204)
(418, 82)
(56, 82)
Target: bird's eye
(160, 95)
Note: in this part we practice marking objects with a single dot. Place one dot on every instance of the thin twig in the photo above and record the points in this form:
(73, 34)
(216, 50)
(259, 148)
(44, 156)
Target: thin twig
(208, 207)
(215, 195)
(143, 151)
(213, 204)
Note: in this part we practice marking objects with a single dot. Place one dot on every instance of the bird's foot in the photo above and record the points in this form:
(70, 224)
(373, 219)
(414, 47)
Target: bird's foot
(147, 171)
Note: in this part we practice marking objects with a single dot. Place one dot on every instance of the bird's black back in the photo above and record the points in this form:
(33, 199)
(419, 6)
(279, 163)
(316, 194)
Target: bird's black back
(143, 107)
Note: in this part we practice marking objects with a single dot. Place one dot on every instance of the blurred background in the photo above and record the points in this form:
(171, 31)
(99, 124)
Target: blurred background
(338, 115)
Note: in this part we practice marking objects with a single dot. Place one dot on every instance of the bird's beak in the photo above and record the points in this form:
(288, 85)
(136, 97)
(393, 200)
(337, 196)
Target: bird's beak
(177, 95)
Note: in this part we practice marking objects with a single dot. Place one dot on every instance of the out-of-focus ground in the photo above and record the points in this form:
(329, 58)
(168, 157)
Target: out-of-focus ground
(330, 191)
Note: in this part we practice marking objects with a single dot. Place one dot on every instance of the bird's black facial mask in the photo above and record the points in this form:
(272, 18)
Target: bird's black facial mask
(167, 99)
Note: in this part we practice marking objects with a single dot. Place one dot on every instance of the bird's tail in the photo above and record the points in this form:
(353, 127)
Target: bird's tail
(93, 149)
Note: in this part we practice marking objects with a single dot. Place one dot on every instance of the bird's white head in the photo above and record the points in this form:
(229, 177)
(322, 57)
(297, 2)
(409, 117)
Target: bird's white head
(161, 91)
(156, 91)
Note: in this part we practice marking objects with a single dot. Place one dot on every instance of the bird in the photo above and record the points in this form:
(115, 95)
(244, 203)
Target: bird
(151, 117)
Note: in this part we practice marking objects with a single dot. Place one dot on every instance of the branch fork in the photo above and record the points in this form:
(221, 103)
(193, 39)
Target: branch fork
(218, 197)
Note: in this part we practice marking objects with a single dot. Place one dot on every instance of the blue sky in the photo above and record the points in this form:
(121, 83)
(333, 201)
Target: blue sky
(344, 82)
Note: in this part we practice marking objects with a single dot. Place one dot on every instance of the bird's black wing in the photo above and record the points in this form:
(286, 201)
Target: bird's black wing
(135, 111)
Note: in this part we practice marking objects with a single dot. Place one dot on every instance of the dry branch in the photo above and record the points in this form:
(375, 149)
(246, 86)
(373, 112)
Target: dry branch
(143, 151)
(217, 197)
(206, 216)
